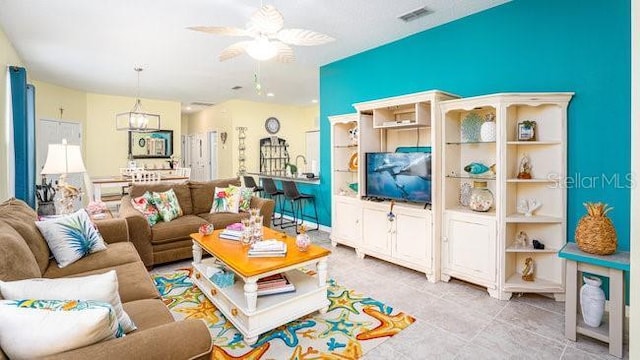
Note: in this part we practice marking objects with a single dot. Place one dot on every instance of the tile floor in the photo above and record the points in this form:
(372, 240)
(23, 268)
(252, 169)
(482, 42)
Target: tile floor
(456, 320)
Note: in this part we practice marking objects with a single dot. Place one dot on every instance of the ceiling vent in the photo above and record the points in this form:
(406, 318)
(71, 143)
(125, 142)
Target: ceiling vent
(237, 87)
(200, 103)
(415, 14)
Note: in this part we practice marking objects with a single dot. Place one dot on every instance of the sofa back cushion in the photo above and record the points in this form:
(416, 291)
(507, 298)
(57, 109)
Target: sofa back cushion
(16, 259)
(22, 218)
(202, 192)
(181, 190)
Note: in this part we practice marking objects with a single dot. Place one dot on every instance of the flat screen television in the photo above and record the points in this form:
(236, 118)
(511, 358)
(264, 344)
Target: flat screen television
(402, 176)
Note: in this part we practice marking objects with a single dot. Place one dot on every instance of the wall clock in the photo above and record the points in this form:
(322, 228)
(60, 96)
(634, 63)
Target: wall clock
(272, 125)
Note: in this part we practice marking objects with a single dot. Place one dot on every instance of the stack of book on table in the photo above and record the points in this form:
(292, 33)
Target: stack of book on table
(230, 234)
(268, 248)
(275, 284)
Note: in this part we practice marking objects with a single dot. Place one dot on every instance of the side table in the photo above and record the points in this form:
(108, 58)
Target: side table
(612, 266)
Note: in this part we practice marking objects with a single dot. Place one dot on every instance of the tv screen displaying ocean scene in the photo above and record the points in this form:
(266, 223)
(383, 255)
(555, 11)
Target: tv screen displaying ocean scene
(399, 176)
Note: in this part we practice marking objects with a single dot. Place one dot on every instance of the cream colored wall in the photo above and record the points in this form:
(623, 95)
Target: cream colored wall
(227, 116)
(8, 56)
(106, 148)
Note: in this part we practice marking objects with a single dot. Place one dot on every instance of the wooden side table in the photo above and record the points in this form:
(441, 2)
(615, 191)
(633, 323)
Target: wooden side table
(612, 266)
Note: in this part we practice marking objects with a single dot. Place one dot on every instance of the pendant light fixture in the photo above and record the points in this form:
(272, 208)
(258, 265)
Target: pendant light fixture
(137, 119)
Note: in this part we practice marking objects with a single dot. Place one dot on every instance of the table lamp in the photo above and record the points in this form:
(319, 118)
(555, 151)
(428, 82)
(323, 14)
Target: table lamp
(64, 159)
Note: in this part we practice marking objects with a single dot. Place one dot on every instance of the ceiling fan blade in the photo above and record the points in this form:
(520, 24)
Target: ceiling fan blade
(267, 20)
(220, 30)
(233, 50)
(285, 52)
(302, 37)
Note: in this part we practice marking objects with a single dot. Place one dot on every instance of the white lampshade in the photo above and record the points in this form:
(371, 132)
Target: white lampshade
(261, 49)
(63, 159)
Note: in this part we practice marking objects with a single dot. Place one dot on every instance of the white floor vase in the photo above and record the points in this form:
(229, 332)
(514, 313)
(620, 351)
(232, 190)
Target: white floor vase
(592, 301)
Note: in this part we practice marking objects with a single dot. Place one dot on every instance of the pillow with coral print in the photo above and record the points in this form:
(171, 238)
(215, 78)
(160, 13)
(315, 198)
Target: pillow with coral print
(144, 204)
(245, 197)
(71, 237)
(32, 329)
(167, 205)
(226, 200)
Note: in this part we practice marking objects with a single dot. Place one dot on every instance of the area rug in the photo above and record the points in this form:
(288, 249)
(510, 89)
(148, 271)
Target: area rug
(353, 325)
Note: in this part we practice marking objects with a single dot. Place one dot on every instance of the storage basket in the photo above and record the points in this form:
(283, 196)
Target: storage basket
(595, 233)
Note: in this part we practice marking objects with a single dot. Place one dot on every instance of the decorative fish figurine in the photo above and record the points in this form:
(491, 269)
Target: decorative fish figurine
(476, 168)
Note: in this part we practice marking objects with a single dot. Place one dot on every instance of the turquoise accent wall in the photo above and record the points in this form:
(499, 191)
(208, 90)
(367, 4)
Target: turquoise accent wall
(582, 46)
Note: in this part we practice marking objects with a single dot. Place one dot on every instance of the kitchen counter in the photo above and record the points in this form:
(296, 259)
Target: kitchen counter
(302, 180)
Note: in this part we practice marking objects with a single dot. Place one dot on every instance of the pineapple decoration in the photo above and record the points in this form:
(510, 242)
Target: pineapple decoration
(595, 233)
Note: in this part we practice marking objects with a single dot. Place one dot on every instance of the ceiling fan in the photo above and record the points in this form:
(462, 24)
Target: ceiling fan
(270, 40)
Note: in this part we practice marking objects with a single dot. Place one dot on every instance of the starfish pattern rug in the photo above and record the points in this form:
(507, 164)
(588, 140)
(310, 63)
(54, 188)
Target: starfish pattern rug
(353, 325)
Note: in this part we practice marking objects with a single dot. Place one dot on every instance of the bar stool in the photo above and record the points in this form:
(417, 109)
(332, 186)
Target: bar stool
(297, 200)
(249, 182)
(278, 196)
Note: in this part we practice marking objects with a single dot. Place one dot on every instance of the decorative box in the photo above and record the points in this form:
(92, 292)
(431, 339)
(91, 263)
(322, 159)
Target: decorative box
(223, 279)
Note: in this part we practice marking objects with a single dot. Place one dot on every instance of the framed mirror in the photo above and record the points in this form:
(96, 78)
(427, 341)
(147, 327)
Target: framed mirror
(154, 144)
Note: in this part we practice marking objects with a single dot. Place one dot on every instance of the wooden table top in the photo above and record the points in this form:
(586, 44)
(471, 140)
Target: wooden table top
(234, 254)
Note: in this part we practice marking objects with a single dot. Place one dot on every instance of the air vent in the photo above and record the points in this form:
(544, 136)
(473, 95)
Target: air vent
(200, 103)
(237, 87)
(415, 14)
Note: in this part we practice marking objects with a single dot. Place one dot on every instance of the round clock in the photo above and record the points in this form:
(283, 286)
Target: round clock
(272, 125)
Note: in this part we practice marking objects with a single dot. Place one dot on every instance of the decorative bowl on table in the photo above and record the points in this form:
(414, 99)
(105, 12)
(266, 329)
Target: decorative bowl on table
(205, 229)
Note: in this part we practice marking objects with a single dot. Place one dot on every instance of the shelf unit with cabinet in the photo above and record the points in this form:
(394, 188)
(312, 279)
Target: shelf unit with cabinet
(546, 162)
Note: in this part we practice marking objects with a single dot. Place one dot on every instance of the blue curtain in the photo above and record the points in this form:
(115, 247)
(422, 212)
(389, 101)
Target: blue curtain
(23, 100)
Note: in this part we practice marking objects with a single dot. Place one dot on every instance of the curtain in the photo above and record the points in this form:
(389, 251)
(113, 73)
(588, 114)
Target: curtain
(24, 145)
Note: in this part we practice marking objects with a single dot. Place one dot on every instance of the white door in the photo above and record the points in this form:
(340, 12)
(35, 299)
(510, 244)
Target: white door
(213, 155)
(52, 132)
(346, 224)
(413, 236)
(183, 151)
(199, 157)
(376, 230)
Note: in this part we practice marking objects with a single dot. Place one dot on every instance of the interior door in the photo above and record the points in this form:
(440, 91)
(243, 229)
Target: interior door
(213, 155)
(199, 156)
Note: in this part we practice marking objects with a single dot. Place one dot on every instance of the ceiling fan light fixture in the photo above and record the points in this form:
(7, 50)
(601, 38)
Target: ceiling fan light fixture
(137, 119)
(262, 49)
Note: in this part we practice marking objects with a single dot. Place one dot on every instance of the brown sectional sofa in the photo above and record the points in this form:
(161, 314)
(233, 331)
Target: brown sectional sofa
(170, 241)
(24, 254)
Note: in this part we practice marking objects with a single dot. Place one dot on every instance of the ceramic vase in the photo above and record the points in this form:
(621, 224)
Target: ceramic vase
(592, 301)
(488, 131)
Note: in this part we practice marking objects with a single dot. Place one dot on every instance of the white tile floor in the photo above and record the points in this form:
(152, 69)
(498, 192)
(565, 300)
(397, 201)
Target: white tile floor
(456, 320)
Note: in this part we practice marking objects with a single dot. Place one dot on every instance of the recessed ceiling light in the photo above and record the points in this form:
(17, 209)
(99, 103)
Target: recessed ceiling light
(237, 87)
(188, 108)
(270, 94)
(315, 101)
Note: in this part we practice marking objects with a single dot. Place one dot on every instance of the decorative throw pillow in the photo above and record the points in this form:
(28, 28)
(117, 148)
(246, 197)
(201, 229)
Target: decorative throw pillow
(71, 237)
(101, 287)
(144, 204)
(37, 328)
(246, 194)
(167, 205)
(226, 200)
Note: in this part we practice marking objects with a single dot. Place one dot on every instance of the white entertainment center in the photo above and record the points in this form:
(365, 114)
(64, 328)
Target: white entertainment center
(447, 239)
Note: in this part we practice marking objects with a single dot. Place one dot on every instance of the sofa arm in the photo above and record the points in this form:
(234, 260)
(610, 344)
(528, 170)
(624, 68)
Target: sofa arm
(139, 230)
(113, 230)
(266, 207)
(187, 339)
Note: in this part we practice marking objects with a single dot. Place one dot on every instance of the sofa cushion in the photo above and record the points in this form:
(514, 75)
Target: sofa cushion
(202, 192)
(182, 193)
(16, 259)
(37, 328)
(148, 313)
(144, 204)
(177, 229)
(115, 254)
(221, 220)
(100, 287)
(134, 282)
(71, 237)
(167, 205)
(22, 218)
(226, 200)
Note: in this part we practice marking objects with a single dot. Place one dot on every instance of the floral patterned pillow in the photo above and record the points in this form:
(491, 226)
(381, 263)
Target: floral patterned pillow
(71, 237)
(226, 200)
(144, 204)
(245, 197)
(167, 205)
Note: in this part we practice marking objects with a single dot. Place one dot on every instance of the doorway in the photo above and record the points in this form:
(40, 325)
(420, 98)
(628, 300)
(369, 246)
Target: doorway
(213, 155)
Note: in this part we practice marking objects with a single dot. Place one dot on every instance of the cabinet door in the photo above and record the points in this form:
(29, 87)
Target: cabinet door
(470, 246)
(413, 237)
(376, 231)
(346, 224)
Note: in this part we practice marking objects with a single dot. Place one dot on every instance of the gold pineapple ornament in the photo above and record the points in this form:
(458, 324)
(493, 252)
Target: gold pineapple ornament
(595, 233)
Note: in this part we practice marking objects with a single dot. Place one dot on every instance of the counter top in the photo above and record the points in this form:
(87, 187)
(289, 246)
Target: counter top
(302, 180)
